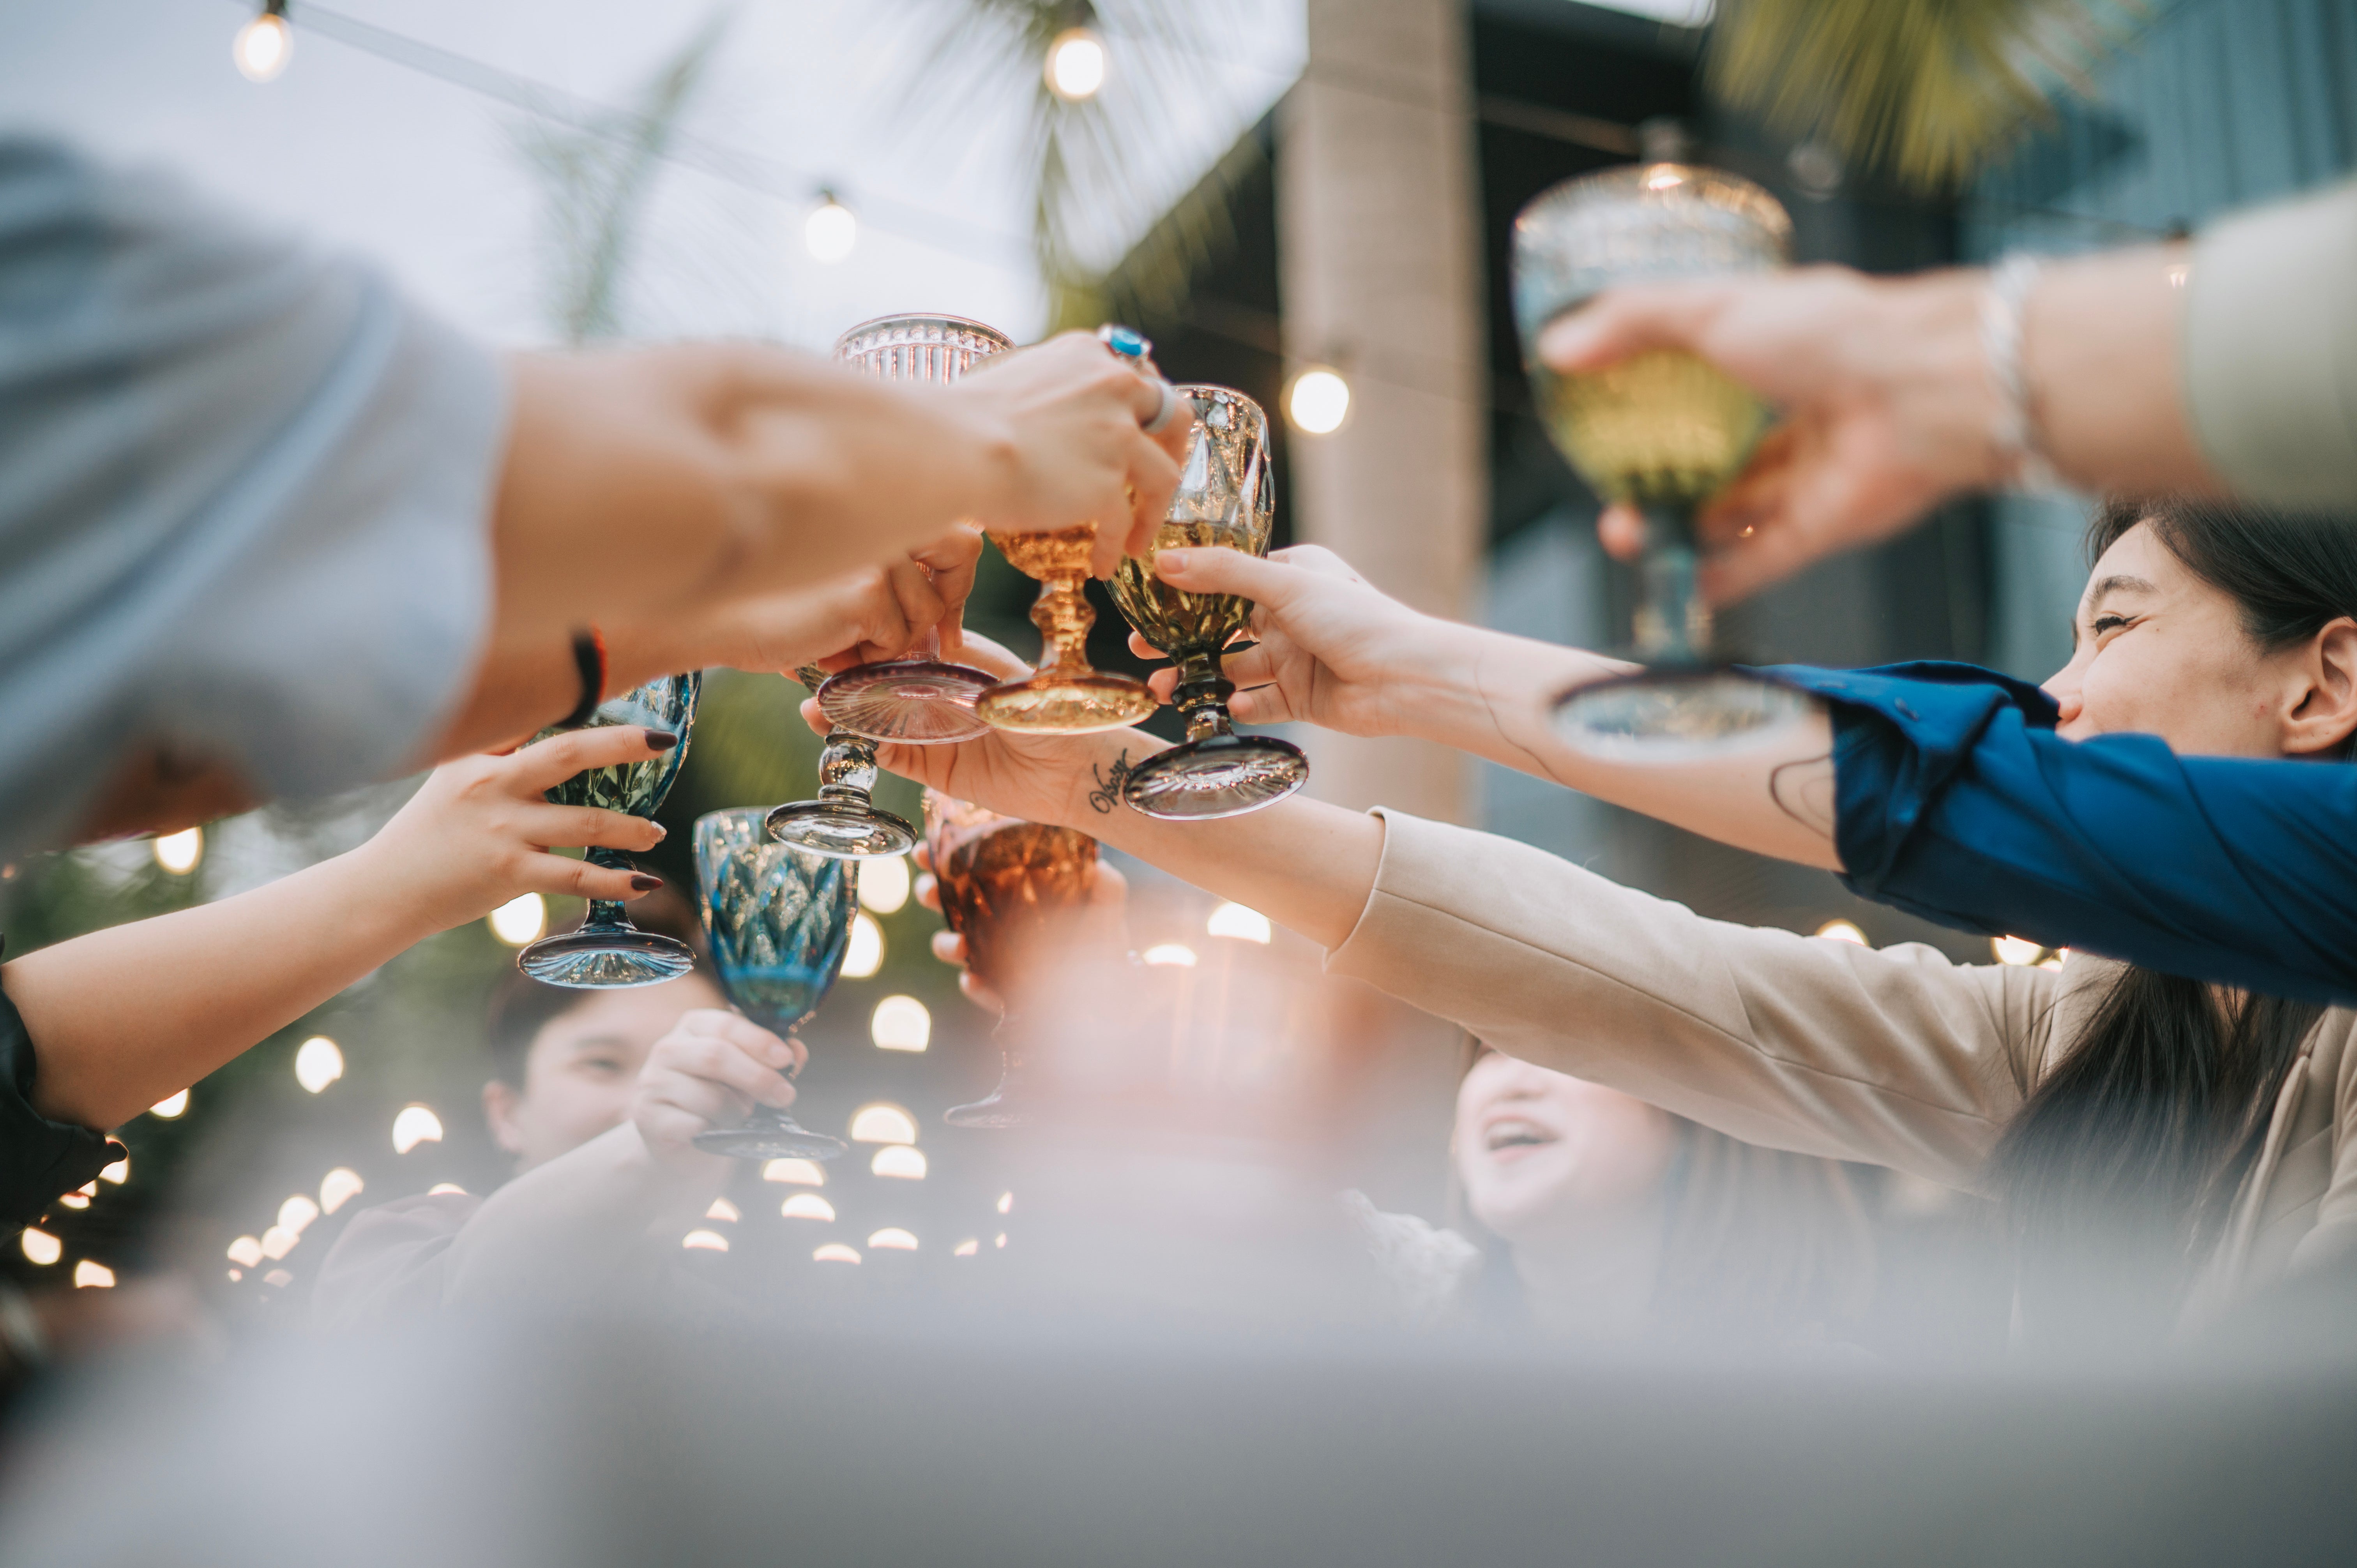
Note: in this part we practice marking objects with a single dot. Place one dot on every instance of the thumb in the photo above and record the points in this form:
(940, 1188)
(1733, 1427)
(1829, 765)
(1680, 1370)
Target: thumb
(1620, 322)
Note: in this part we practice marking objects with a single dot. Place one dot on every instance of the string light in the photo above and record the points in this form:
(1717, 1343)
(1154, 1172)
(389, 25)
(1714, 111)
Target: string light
(1076, 59)
(245, 1252)
(864, 956)
(519, 921)
(296, 1213)
(170, 1107)
(891, 1238)
(830, 231)
(92, 1276)
(704, 1241)
(835, 1253)
(967, 1249)
(277, 1241)
(263, 44)
(722, 1209)
(40, 1247)
(1843, 931)
(901, 1024)
(118, 1173)
(2014, 950)
(179, 853)
(1318, 401)
(417, 1124)
(339, 1187)
(807, 1206)
(445, 1189)
(318, 1062)
(883, 884)
(883, 1124)
(904, 1161)
(801, 1172)
(1170, 955)
(1005, 1203)
(1237, 921)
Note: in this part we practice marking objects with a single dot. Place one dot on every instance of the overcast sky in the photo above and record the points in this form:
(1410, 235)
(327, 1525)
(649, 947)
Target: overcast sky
(428, 176)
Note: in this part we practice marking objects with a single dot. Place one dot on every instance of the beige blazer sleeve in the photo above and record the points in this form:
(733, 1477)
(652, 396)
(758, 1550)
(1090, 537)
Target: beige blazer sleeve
(2270, 351)
(1897, 1057)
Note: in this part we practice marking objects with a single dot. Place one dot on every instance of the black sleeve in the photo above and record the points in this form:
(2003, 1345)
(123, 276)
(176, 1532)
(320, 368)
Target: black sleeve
(39, 1158)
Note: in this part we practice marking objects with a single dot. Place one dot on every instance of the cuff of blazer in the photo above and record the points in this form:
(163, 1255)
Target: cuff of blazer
(2270, 352)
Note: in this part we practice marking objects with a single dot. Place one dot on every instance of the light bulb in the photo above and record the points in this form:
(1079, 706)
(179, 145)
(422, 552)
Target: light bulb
(865, 955)
(178, 853)
(262, 47)
(339, 1187)
(169, 1108)
(1236, 920)
(883, 1124)
(803, 1172)
(318, 1063)
(1170, 955)
(830, 230)
(904, 1161)
(1843, 931)
(835, 1253)
(40, 1247)
(1319, 402)
(2014, 950)
(704, 1241)
(1076, 65)
(892, 1239)
(883, 884)
(92, 1276)
(296, 1213)
(807, 1206)
(520, 920)
(414, 1125)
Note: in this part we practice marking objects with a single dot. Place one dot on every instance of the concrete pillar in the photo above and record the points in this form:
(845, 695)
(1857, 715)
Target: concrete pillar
(1379, 236)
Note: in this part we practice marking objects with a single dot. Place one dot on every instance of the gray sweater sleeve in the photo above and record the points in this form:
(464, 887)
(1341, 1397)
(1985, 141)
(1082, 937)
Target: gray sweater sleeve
(245, 492)
(2271, 351)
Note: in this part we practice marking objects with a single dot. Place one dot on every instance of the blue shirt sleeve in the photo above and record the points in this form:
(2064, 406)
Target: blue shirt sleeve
(245, 492)
(1957, 801)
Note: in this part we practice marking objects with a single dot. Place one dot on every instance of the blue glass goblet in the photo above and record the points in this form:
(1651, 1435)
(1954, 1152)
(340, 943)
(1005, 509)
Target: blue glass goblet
(607, 949)
(778, 919)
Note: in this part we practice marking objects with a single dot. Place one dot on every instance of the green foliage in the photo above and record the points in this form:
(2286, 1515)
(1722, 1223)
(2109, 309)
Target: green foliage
(1925, 90)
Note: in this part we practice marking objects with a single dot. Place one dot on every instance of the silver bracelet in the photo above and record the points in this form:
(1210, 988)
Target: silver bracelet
(2013, 431)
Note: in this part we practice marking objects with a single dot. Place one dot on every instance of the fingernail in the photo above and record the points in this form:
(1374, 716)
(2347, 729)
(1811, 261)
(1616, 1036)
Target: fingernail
(1165, 562)
(661, 739)
(662, 832)
(640, 882)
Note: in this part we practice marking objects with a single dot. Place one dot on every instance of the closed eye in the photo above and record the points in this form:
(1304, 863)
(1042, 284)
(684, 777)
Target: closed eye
(2112, 623)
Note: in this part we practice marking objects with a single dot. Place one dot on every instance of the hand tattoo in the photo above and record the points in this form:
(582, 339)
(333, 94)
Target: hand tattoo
(1107, 794)
(1806, 797)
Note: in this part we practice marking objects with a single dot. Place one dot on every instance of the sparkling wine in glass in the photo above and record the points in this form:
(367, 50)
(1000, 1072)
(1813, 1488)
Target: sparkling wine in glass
(1663, 430)
(778, 922)
(1014, 890)
(1227, 499)
(608, 949)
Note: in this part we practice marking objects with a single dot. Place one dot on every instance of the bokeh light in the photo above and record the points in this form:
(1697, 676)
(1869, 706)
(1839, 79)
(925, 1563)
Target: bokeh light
(519, 921)
(179, 853)
(904, 1161)
(417, 1124)
(883, 884)
(1318, 401)
(318, 1063)
(901, 1024)
(865, 955)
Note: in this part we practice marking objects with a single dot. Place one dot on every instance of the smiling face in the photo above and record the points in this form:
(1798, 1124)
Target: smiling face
(1539, 1151)
(2160, 651)
(583, 1064)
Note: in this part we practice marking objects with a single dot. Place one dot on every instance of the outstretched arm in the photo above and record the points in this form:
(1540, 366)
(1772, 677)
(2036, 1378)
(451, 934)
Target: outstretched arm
(122, 1018)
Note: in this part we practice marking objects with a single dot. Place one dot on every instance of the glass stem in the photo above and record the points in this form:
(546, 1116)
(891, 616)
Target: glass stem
(846, 768)
(602, 912)
(1672, 623)
(1201, 695)
(1061, 613)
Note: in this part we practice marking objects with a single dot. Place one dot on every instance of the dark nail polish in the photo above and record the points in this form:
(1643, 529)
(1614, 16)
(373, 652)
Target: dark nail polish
(661, 739)
(641, 882)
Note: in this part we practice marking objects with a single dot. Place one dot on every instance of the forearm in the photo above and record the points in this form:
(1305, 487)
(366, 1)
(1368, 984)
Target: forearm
(123, 1017)
(575, 1224)
(2103, 356)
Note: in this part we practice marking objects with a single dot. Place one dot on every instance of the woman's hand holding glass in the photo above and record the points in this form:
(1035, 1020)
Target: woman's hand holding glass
(479, 832)
(712, 1068)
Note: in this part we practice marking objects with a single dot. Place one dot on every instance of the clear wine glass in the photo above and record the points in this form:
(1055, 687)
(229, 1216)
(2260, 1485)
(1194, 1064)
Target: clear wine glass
(607, 949)
(1009, 887)
(778, 921)
(1227, 499)
(922, 700)
(1663, 430)
(845, 822)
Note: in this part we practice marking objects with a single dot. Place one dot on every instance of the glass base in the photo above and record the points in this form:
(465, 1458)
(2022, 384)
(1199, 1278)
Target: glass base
(1671, 713)
(769, 1135)
(596, 957)
(841, 829)
(915, 702)
(1218, 775)
(997, 1111)
(1066, 704)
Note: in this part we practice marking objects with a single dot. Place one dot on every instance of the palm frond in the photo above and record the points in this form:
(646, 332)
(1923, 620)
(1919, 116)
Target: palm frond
(1925, 90)
(597, 178)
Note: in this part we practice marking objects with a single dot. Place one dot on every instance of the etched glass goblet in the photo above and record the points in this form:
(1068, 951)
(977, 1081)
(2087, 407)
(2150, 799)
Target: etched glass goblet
(1011, 889)
(778, 921)
(1227, 499)
(1663, 430)
(845, 822)
(607, 949)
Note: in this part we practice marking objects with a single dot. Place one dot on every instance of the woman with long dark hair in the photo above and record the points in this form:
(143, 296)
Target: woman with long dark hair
(2161, 1147)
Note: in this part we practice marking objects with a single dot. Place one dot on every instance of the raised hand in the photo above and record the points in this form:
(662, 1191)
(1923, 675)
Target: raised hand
(1066, 420)
(709, 1070)
(478, 832)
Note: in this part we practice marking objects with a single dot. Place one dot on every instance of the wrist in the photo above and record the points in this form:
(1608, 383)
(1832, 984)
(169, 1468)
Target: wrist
(1927, 350)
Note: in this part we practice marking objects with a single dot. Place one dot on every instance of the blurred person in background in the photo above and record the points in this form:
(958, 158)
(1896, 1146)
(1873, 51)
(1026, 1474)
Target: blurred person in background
(597, 1097)
(96, 1029)
(268, 528)
(1621, 1221)
(2163, 1148)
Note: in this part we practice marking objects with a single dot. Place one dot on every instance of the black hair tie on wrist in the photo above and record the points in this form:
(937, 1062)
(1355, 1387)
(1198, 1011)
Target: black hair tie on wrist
(589, 658)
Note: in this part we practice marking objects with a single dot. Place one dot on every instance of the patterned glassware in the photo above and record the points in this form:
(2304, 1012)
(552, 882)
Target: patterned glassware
(608, 949)
(1663, 430)
(1227, 499)
(779, 920)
